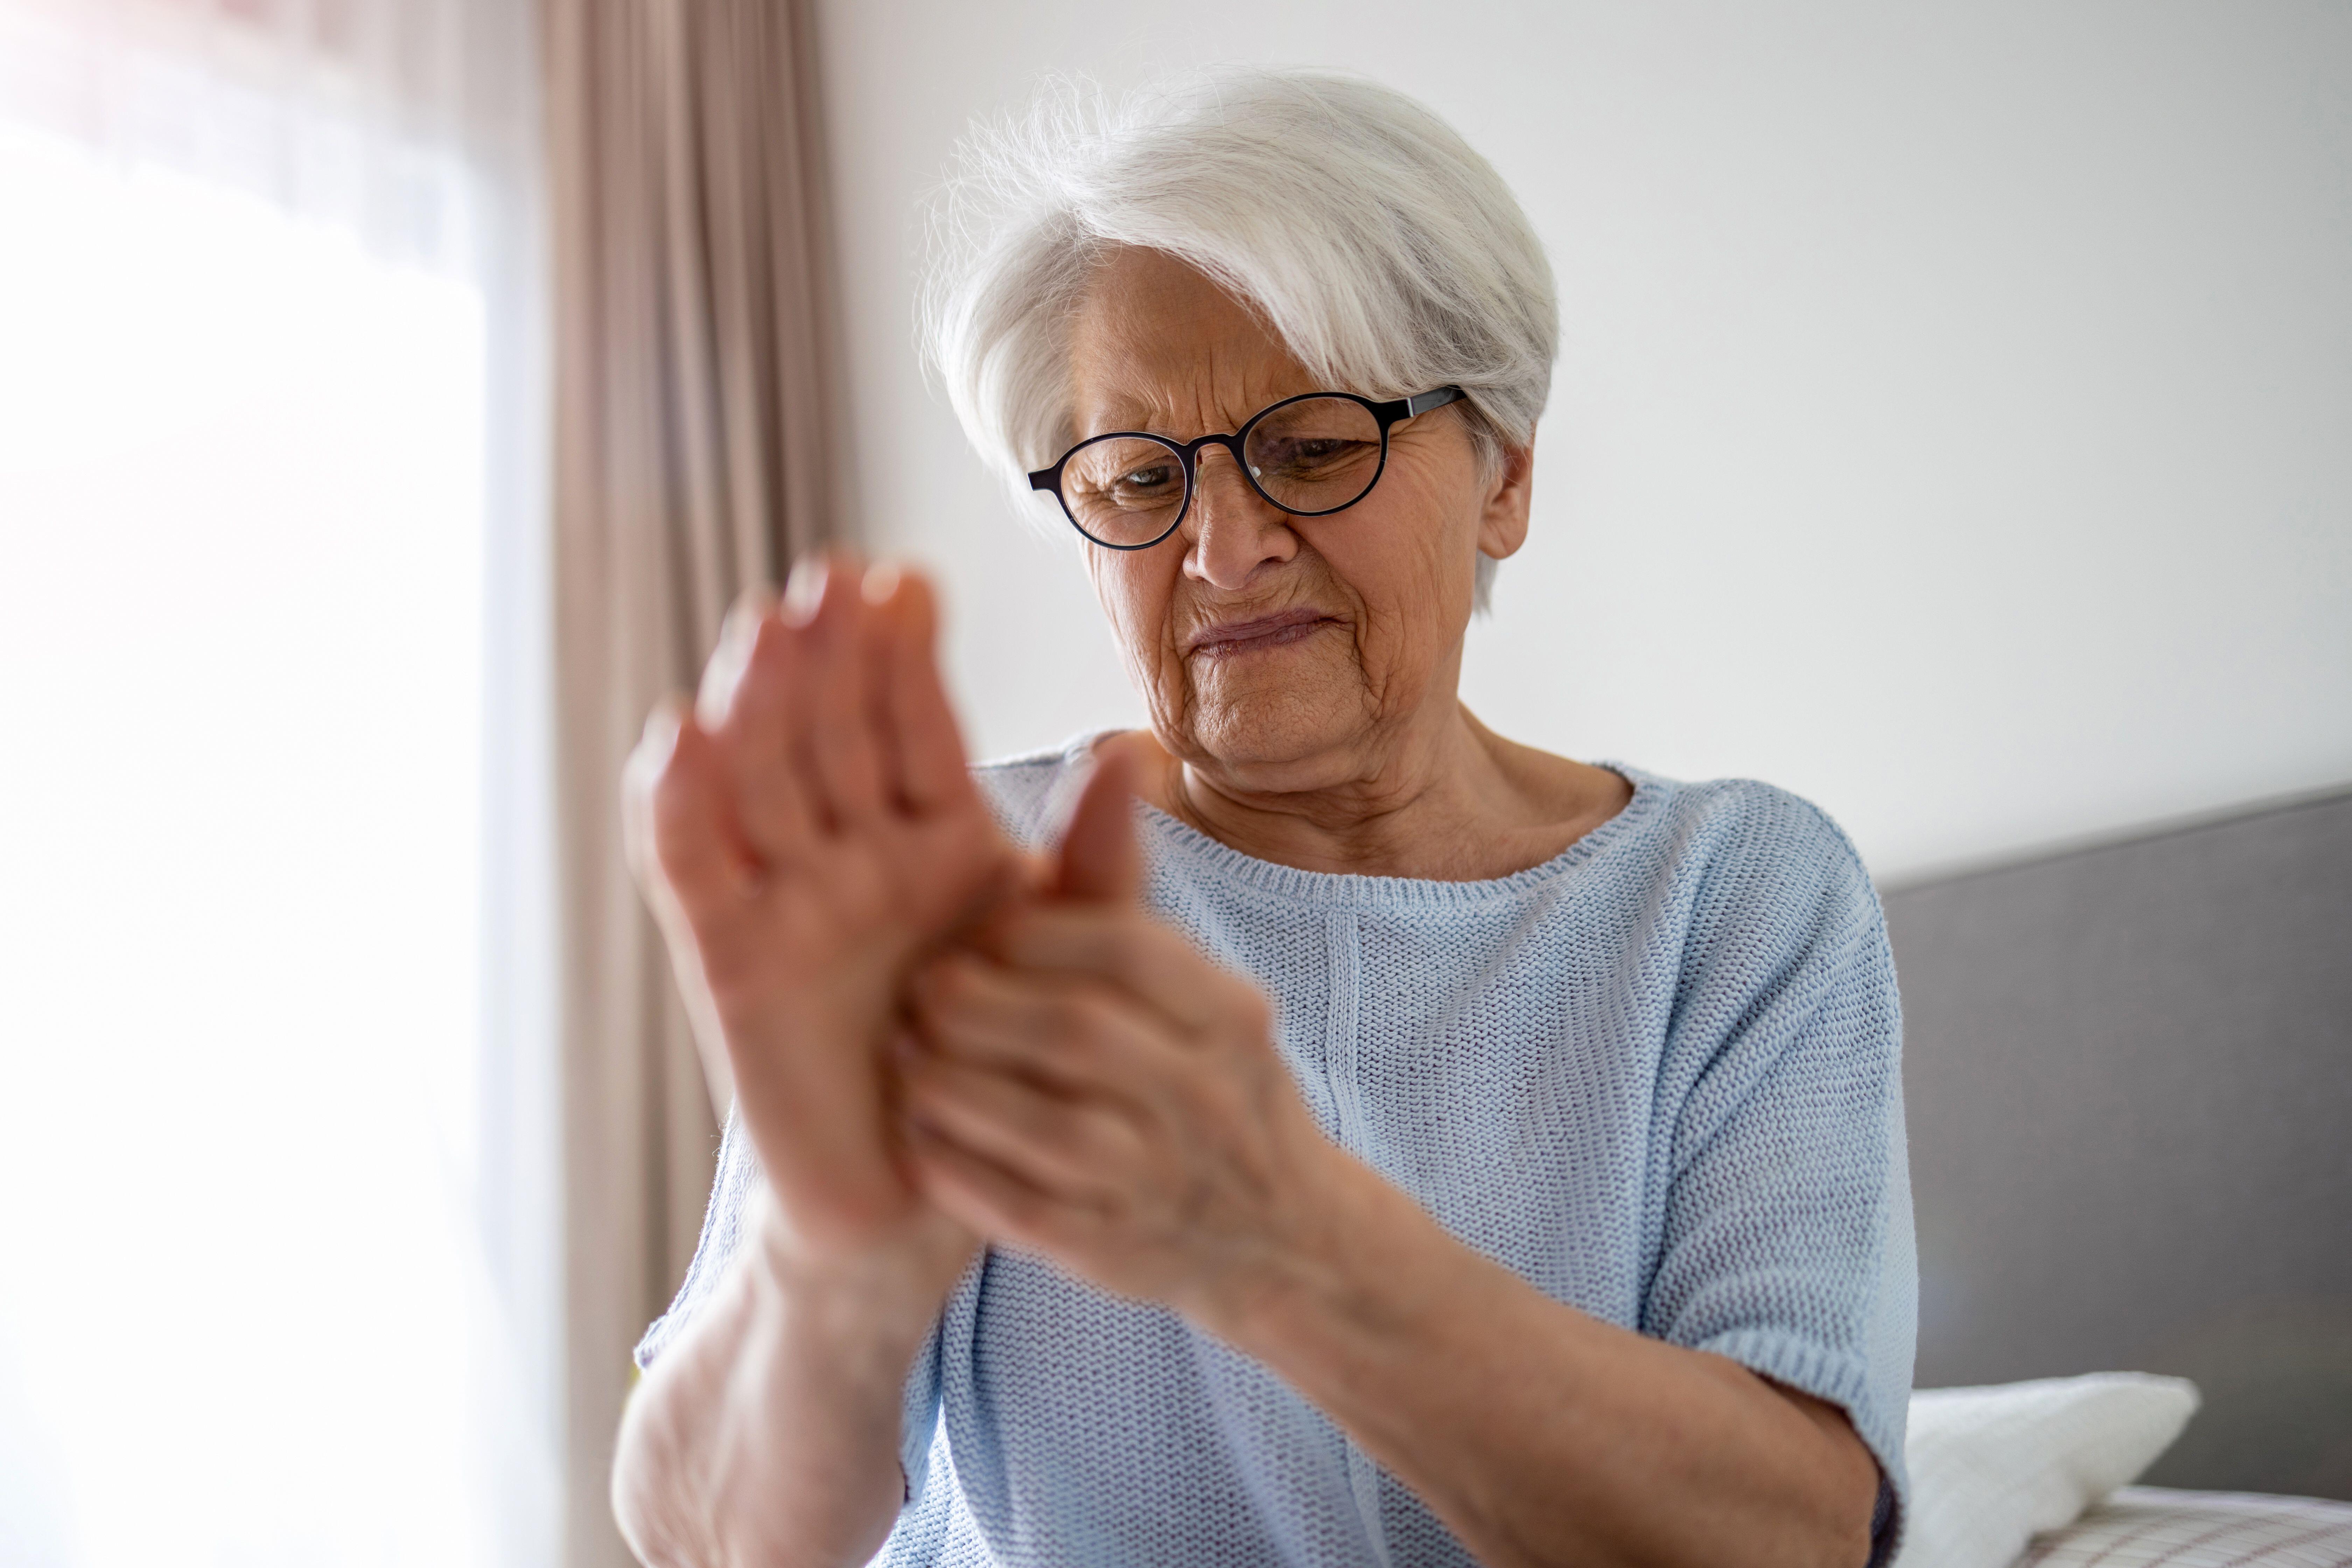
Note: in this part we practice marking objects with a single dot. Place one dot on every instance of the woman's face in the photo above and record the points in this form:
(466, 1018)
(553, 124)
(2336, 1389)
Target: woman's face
(1280, 653)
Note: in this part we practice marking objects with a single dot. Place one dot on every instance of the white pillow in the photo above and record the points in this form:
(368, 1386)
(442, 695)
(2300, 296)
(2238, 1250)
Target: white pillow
(1991, 1466)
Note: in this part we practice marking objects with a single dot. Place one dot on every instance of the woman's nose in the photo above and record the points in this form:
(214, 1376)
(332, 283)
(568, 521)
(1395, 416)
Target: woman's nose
(1232, 531)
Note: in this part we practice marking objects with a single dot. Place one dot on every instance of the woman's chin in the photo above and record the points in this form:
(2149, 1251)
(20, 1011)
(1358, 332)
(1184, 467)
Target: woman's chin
(1262, 737)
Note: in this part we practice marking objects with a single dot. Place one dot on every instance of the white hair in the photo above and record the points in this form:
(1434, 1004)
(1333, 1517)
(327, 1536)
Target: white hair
(1389, 255)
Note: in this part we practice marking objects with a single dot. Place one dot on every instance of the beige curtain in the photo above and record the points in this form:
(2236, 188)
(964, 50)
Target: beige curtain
(697, 442)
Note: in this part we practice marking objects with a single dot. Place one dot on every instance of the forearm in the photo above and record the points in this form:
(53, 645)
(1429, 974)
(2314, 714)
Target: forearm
(1539, 1434)
(769, 1432)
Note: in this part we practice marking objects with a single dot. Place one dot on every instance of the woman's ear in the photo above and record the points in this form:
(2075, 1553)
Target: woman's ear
(1503, 523)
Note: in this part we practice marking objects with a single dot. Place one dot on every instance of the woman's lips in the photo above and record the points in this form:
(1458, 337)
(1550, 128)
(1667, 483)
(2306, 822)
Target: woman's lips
(1230, 637)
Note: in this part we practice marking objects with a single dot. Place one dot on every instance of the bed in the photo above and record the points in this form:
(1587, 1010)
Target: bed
(2128, 1076)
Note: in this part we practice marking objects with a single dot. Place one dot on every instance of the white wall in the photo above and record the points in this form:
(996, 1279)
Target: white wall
(1955, 417)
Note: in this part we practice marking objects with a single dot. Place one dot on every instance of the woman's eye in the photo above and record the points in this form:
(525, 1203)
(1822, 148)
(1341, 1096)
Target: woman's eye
(1307, 454)
(1145, 479)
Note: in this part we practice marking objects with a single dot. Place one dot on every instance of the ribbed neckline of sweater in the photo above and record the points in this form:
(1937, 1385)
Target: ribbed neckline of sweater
(1330, 887)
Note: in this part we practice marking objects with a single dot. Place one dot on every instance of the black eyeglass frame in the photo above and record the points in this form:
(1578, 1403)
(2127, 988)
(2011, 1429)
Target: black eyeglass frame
(1387, 414)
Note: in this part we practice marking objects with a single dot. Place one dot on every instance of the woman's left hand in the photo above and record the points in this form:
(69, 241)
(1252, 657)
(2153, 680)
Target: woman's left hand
(1082, 1083)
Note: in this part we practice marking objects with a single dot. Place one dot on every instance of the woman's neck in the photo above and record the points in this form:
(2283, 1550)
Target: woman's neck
(1457, 803)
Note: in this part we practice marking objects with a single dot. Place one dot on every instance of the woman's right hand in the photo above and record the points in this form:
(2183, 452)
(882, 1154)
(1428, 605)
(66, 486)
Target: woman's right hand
(805, 831)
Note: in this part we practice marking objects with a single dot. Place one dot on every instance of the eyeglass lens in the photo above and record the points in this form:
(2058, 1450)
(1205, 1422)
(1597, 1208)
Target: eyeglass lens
(1318, 454)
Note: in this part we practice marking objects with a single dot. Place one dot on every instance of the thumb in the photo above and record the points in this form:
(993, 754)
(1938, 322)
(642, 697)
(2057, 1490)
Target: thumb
(1098, 860)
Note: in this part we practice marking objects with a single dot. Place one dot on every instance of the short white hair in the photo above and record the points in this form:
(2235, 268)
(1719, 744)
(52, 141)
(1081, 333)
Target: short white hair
(1389, 255)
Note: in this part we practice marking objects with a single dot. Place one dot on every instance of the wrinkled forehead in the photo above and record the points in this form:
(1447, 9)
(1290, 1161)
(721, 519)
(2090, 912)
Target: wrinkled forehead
(1156, 345)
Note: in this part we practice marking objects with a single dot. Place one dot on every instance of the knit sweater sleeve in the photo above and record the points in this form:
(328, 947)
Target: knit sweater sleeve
(1787, 1242)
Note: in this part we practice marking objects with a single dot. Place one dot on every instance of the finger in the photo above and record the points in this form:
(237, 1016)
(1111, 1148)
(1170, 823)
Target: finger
(677, 822)
(778, 817)
(1100, 861)
(725, 671)
(1130, 951)
(874, 636)
(984, 1196)
(1077, 1041)
(836, 745)
(1059, 1145)
(929, 767)
(692, 868)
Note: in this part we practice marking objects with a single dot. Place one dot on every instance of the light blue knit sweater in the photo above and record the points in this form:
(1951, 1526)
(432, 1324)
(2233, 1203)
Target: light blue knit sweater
(1658, 1076)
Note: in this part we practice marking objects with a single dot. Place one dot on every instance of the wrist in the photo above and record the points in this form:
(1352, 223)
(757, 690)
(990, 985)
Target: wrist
(1346, 1259)
(884, 1295)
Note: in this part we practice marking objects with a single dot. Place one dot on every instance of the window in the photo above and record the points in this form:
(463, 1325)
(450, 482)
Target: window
(252, 1306)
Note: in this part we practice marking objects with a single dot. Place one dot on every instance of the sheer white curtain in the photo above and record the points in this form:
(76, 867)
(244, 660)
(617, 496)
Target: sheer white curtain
(278, 1230)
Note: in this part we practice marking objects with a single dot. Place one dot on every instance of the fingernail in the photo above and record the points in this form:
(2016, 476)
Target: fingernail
(803, 591)
(661, 731)
(882, 580)
(743, 617)
(719, 678)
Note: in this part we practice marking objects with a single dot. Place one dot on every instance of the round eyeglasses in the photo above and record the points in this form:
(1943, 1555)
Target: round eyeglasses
(1311, 454)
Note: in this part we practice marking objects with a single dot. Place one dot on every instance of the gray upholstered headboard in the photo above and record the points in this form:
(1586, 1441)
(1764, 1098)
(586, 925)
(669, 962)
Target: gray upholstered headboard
(2128, 1072)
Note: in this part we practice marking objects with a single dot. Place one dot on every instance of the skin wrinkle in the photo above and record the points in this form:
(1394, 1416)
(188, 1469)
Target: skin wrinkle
(1345, 749)
(1203, 1182)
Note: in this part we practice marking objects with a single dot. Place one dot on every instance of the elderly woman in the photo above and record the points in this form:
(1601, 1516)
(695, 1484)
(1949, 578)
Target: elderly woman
(1361, 1138)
